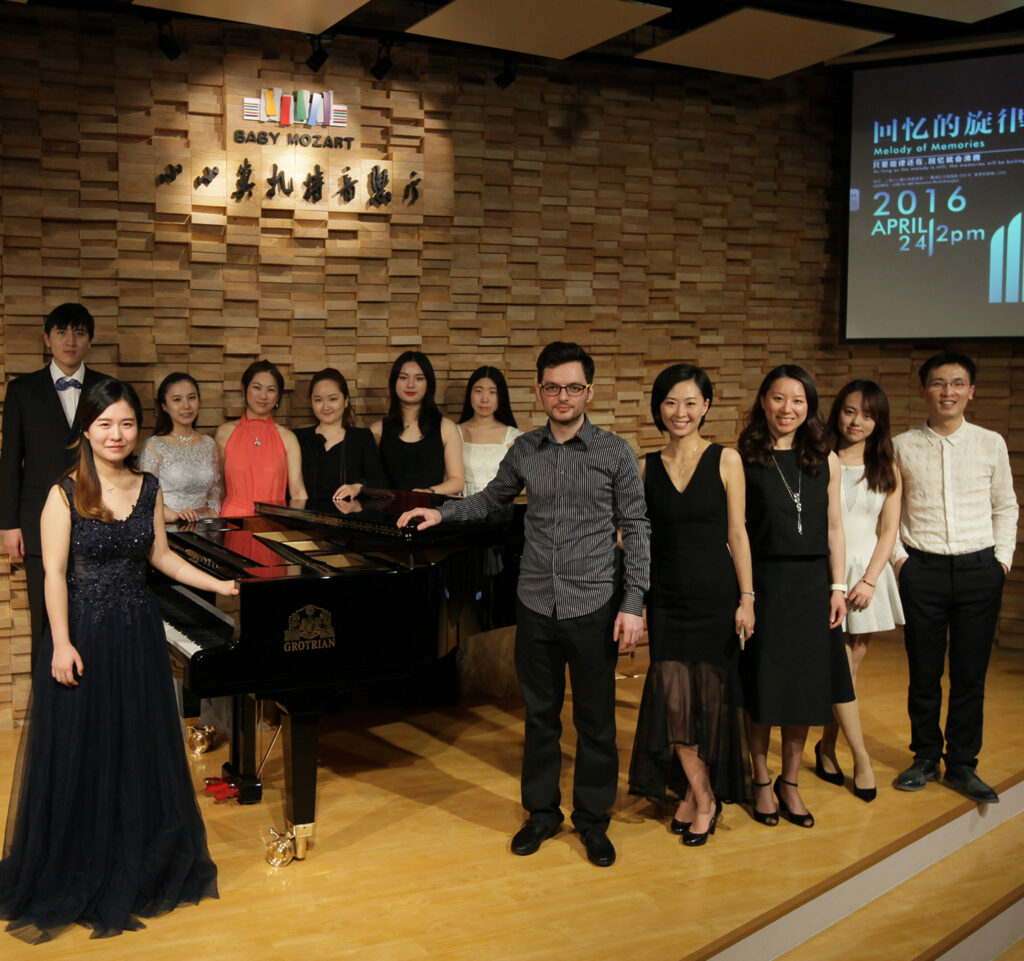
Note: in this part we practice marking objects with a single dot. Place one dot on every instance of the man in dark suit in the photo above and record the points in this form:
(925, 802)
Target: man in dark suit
(39, 427)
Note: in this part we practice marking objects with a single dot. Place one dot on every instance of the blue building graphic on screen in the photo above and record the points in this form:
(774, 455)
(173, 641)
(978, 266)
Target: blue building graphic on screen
(1004, 264)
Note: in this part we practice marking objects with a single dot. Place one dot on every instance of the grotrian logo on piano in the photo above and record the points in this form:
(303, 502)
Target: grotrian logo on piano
(309, 629)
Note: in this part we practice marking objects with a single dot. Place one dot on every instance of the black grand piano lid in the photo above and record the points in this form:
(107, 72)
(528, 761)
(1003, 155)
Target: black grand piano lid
(374, 511)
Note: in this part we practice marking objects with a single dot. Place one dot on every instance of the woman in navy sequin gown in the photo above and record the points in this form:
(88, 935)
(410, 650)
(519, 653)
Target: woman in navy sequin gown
(103, 826)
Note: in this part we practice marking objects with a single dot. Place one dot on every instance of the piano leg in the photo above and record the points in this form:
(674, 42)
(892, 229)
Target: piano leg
(241, 769)
(301, 743)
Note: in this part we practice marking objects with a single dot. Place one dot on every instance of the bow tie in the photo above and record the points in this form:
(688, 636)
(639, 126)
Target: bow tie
(63, 383)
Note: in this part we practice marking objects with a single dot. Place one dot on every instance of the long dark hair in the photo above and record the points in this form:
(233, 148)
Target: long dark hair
(879, 458)
(164, 424)
(504, 413)
(430, 417)
(94, 401)
(348, 418)
(810, 443)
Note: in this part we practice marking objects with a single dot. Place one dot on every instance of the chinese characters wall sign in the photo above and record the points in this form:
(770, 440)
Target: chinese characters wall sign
(308, 150)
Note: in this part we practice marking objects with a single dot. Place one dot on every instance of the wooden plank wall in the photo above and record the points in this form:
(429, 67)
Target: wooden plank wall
(653, 215)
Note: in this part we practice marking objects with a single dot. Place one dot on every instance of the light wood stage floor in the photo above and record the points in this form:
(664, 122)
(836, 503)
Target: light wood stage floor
(416, 808)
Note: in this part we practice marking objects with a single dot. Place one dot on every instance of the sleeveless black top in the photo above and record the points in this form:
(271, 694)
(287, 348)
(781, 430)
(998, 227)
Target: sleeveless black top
(416, 464)
(772, 515)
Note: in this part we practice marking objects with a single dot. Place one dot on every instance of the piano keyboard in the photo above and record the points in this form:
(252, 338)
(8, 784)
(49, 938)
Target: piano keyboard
(191, 623)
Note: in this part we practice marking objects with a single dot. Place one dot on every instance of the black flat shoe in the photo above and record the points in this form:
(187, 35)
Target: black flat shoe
(767, 818)
(837, 777)
(962, 778)
(600, 850)
(917, 776)
(800, 820)
(692, 840)
(531, 835)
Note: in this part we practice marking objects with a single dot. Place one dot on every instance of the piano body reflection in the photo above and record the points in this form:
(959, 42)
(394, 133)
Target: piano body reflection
(327, 601)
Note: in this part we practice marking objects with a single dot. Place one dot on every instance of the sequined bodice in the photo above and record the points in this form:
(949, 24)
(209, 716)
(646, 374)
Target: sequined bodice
(107, 562)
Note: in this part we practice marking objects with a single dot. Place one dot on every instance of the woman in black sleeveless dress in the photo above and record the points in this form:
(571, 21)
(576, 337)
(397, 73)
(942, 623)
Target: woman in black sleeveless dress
(796, 667)
(420, 449)
(689, 740)
(103, 826)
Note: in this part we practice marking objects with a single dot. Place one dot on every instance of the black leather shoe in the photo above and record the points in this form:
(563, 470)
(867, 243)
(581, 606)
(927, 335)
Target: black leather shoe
(531, 835)
(962, 778)
(915, 777)
(600, 850)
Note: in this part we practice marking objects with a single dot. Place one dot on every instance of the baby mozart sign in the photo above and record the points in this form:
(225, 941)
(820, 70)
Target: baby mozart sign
(311, 150)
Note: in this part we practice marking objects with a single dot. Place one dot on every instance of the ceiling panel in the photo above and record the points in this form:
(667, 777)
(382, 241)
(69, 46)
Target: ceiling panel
(966, 11)
(757, 43)
(541, 28)
(302, 16)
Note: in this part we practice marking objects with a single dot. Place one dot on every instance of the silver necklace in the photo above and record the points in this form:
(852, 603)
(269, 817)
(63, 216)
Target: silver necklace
(186, 439)
(255, 437)
(794, 497)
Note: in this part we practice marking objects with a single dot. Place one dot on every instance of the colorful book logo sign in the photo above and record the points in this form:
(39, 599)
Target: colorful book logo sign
(309, 108)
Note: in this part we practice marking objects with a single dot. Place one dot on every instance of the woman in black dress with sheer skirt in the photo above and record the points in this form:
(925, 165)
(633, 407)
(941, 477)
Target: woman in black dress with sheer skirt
(689, 740)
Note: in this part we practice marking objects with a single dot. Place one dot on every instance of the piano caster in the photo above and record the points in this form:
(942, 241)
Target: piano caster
(301, 833)
(201, 738)
(283, 848)
(280, 849)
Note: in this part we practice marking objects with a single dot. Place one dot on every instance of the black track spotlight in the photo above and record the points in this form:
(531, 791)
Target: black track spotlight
(316, 60)
(507, 77)
(169, 47)
(383, 65)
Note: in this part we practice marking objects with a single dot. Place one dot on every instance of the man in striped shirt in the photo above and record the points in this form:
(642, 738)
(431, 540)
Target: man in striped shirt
(578, 603)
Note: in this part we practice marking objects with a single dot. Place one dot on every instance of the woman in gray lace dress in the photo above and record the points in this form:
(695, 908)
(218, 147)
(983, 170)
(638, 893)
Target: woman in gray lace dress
(185, 462)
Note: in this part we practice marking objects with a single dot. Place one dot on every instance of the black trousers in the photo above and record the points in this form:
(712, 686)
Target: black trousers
(544, 646)
(34, 578)
(958, 595)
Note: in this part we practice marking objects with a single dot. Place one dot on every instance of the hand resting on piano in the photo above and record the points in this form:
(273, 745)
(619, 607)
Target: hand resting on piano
(427, 517)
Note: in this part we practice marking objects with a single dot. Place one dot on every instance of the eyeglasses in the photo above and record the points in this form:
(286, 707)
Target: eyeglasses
(572, 390)
(957, 384)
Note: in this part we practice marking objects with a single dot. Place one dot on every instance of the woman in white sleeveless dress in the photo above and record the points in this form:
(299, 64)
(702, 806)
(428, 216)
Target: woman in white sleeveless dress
(871, 491)
(487, 427)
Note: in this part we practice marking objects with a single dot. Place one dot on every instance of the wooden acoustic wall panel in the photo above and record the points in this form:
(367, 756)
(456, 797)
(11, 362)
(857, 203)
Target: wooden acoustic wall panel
(653, 216)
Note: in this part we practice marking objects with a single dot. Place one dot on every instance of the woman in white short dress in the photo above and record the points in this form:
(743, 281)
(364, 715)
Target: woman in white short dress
(871, 490)
(487, 427)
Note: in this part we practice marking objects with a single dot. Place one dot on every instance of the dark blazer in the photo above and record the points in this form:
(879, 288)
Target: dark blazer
(35, 450)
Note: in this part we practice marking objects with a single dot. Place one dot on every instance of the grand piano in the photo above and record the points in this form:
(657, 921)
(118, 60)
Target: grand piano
(331, 597)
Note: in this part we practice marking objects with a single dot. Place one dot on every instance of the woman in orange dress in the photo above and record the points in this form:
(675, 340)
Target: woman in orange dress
(262, 461)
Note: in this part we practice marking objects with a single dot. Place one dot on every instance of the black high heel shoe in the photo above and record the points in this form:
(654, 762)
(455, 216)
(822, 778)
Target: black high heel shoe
(800, 820)
(865, 794)
(767, 818)
(691, 839)
(679, 827)
(836, 778)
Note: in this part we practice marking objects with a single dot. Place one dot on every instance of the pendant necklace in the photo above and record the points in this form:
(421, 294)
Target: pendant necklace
(255, 437)
(688, 460)
(794, 497)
